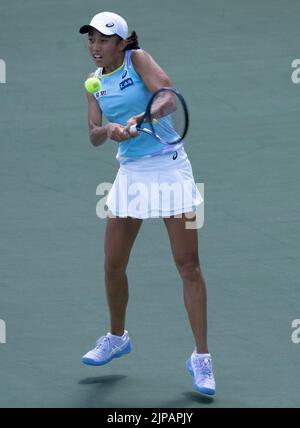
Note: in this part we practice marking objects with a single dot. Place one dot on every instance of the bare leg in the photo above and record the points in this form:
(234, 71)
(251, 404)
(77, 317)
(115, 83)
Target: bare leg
(184, 244)
(120, 235)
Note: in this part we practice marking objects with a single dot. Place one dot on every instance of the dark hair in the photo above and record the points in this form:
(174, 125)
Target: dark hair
(133, 41)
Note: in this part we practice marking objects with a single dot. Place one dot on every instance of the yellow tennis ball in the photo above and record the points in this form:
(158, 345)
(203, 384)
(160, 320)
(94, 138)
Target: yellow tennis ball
(92, 85)
(154, 121)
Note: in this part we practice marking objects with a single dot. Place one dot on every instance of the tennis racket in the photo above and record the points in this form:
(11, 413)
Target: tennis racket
(166, 117)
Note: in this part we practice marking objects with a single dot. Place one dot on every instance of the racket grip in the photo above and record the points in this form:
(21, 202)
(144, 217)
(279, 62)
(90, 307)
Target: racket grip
(133, 129)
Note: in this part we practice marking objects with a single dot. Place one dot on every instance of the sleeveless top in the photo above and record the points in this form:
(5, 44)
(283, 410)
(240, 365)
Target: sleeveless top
(122, 95)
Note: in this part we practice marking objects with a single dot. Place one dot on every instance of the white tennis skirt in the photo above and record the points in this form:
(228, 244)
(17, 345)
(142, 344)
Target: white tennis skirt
(159, 186)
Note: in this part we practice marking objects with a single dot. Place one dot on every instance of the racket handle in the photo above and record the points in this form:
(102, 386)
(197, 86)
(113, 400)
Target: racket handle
(133, 129)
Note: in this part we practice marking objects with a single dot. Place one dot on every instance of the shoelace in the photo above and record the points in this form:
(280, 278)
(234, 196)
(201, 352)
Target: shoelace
(205, 366)
(102, 342)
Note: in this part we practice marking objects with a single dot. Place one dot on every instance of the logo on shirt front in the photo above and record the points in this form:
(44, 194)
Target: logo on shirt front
(126, 83)
(101, 93)
(124, 74)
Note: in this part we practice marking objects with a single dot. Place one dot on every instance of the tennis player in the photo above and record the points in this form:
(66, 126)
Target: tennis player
(129, 76)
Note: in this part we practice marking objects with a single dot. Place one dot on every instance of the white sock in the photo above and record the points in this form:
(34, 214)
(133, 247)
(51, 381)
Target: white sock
(202, 355)
(117, 337)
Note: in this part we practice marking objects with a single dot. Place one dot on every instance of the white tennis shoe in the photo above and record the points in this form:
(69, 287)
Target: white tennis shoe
(107, 348)
(200, 367)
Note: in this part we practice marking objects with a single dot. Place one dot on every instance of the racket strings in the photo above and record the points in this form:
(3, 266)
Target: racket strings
(168, 116)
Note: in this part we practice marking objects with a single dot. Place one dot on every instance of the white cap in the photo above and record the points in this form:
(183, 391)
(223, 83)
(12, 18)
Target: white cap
(108, 23)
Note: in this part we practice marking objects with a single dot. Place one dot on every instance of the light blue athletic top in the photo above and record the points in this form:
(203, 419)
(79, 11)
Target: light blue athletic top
(123, 94)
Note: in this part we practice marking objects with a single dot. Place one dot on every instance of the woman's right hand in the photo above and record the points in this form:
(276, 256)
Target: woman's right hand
(116, 132)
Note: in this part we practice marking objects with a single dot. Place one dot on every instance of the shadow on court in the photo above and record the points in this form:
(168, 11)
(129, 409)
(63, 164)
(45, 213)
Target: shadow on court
(189, 400)
(107, 381)
(97, 390)
(102, 386)
(194, 397)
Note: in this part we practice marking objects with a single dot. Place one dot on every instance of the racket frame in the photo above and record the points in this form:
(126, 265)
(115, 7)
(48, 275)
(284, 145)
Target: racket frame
(147, 117)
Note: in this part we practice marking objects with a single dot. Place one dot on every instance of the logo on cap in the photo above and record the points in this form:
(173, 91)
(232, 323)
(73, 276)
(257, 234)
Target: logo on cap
(110, 24)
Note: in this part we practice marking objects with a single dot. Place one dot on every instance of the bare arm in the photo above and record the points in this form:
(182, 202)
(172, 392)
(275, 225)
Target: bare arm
(152, 74)
(98, 133)
(154, 78)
